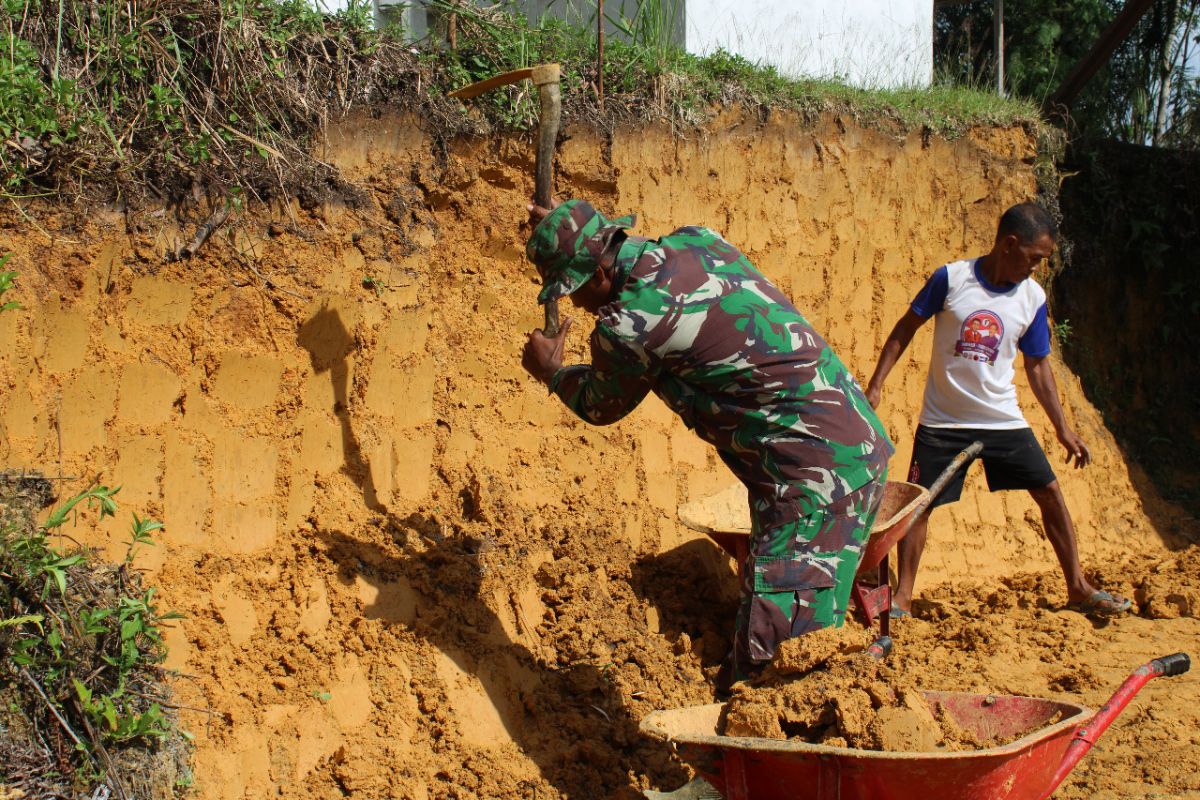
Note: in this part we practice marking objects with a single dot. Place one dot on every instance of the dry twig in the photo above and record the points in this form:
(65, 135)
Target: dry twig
(214, 221)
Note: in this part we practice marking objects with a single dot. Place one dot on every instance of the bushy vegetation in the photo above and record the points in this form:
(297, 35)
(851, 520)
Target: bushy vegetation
(84, 702)
(1148, 92)
(159, 98)
(1136, 270)
(165, 100)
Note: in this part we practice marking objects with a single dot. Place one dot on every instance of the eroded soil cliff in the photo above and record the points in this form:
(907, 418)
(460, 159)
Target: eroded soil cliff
(408, 573)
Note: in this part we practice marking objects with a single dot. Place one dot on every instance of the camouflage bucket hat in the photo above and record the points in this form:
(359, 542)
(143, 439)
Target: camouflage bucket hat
(566, 246)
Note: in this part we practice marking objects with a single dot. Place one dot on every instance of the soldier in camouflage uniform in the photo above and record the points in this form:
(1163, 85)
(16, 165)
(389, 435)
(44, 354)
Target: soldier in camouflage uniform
(690, 319)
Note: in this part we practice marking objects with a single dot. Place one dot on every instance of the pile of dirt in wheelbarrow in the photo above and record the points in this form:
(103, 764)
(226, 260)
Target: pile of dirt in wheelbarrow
(825, 688)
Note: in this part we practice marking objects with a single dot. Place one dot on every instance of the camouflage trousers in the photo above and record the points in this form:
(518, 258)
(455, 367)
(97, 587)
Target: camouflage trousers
(798, 576)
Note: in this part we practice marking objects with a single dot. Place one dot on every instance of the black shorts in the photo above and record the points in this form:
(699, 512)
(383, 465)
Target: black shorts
(1012, 459)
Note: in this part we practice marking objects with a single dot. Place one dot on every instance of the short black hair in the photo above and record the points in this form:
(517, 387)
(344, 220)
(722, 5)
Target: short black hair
(1027, 221)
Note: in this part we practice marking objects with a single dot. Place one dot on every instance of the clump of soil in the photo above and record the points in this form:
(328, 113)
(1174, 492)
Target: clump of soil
(824, 688)
(1170, 587)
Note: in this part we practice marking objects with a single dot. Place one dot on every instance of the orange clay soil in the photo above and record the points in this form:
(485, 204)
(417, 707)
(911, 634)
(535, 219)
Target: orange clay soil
(824, 688)
(408, 573)
(1012, 639)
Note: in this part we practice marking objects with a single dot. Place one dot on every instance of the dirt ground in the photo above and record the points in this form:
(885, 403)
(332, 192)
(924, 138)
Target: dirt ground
(406, 573)
(1012, 638)
(834, 687)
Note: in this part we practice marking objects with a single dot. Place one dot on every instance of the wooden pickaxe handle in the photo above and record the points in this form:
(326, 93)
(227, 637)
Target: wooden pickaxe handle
(543, 186)
(546, 78)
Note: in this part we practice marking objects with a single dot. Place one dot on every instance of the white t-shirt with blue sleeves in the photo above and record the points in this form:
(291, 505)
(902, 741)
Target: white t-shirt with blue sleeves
(978, 328)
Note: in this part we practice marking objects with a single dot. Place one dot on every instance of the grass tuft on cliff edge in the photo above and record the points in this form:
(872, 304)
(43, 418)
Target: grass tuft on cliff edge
(159, 102)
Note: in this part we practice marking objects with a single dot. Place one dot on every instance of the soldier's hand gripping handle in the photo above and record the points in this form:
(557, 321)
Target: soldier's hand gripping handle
(543, 354)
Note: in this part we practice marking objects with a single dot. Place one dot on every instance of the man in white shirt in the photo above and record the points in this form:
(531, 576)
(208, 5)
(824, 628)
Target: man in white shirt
(985, 310)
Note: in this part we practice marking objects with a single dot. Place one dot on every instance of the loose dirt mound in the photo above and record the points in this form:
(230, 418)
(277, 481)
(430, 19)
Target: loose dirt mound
(1011, 640)
(826, 689)
(1016, 639)
(1170, 587)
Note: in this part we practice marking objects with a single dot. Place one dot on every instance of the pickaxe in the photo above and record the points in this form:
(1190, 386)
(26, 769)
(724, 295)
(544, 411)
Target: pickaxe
(545, 77)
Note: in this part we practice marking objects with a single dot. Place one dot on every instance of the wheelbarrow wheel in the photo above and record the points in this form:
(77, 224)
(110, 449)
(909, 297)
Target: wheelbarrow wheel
(695, 789)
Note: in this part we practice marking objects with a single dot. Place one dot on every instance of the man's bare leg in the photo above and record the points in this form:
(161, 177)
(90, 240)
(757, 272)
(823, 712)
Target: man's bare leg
(909, 551)
(1061, 532)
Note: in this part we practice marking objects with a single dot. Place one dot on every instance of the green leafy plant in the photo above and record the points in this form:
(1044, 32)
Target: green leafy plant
(140, 535)
(100, 497)
(1062, 331)
(84, 636)
(35, 619)
(376, 285)
(7, 282)
(119, 727)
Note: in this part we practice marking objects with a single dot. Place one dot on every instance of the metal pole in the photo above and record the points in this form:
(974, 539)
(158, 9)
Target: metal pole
(998, 41)
(600, 53)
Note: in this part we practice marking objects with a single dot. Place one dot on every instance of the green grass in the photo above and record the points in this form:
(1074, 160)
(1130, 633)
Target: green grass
(946, 110)
(649, 78)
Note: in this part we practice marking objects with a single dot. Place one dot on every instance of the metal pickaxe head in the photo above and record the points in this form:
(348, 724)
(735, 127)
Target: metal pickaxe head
(546, 78)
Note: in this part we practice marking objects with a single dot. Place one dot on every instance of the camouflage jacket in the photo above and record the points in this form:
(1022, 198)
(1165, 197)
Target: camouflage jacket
(693, 321)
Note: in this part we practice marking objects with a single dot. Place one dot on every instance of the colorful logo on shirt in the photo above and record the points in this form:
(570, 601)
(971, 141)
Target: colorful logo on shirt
(979, 339)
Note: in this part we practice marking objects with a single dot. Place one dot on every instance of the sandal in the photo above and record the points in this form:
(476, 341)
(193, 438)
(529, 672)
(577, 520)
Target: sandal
(1101, 604)
(899, 613)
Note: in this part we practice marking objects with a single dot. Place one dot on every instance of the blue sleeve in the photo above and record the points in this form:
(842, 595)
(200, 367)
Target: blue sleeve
(932, 297)
(1035, 342)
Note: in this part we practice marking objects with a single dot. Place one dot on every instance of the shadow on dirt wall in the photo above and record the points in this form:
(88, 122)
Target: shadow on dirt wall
(329, 343)
(572, 722)
(1127, 309)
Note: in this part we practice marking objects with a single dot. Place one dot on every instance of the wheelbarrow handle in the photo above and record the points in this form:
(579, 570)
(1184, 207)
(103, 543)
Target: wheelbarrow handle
(1169, 666)
(1089, 732)
(968, 454)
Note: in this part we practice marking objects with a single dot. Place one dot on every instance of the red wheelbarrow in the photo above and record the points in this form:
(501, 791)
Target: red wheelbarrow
(725, 518)
(1029, 768)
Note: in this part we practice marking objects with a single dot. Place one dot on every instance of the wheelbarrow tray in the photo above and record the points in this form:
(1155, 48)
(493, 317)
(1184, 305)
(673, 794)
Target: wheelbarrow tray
(725, 517)
(747, 768)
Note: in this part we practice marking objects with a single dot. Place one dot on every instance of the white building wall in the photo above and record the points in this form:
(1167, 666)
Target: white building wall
(868, 43)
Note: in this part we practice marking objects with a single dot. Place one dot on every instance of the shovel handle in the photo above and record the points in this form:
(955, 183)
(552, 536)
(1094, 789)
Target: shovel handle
(551, 114)
(550, 326)
(1087, 734)
(968, 454)
(546, 77)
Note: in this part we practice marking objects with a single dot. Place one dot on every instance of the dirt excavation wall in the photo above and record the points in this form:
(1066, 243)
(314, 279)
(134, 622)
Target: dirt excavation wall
(407, 572)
